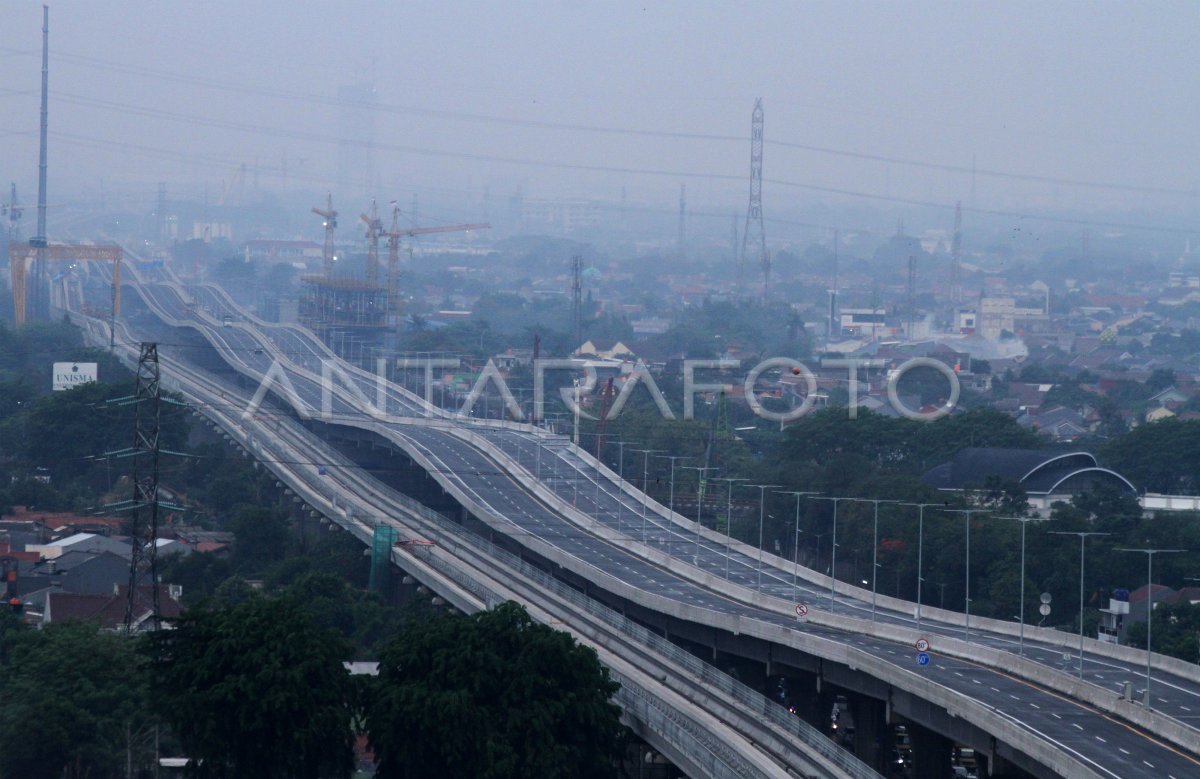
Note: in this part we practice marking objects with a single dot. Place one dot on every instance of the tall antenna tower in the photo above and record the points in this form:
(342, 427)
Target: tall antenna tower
(143, 564)
(682, 220)
(956, 257)
(577, 299)
(754, 236)
(40, 303)
(733, 251)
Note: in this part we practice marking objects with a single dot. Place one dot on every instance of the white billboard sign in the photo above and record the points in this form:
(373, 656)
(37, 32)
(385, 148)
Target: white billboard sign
(71, 374)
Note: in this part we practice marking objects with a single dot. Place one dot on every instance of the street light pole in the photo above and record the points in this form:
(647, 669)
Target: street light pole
(699, 469)
(1024, 521)
(671, 501)
(728, 520)
(621, 475)
(762, 501)
(645, 478)
(796, 543)
(920, 551)
(833, 551)
(1146, 700)
(874, 547)
(967, 513)
(1083, 537)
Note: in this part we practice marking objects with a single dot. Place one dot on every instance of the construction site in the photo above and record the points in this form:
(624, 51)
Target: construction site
(368, 307)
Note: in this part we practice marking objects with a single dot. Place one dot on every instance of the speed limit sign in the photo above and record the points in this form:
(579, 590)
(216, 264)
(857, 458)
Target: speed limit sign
(922, 645)
(801, 610)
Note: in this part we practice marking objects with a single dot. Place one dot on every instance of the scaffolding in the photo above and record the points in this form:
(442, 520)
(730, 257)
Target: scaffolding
(342, 303)
(381, 558)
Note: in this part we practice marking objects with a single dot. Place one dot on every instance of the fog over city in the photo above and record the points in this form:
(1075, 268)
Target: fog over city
(872, 110)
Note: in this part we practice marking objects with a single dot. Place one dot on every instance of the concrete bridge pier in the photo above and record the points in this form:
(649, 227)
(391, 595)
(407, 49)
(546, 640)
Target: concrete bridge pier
(931, 752)
(872, 739)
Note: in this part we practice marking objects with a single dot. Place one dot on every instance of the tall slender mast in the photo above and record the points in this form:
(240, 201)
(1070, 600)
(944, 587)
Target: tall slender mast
(39, 240)
(754, 237)
(956, 257)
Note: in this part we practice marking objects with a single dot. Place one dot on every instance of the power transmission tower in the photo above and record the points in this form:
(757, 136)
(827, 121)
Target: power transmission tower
(754, 236)
(577, 299)
(143, 564)
(956, 257)
(833, 290)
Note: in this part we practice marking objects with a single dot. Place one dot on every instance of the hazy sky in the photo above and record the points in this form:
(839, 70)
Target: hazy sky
(145, 91)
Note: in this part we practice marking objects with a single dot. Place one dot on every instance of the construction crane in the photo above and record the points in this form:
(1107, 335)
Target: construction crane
(12, 209)
(374, 230)
(395, 234)
(330, 224)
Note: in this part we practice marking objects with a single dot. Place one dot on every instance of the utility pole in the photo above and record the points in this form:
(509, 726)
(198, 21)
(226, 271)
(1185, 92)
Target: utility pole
(1024, 521)
(762, 499)
(754, 237)
(699, 469)
(645, 478)
(874, 547)
(967, 514)
(728, 520)
(671, 500)
(1149, 612)
(796, 543)
(1083, 537)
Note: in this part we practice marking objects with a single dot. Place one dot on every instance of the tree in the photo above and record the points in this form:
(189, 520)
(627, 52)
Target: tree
(70, 699)
(261, 536)
(255, 689)
(492, 696)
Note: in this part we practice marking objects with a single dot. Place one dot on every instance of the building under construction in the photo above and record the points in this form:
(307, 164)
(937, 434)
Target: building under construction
(361, 305)
(341, 303)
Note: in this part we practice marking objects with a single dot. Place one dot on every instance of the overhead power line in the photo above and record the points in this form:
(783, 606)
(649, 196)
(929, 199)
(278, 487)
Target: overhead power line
(575, 127)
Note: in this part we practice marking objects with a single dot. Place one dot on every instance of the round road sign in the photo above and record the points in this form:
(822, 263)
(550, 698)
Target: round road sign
(1044, 609)
(922, 645)
(922, 658)
(801, 610)
(1045, 597)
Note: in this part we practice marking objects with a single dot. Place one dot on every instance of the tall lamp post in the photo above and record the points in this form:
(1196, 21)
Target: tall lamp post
(1024, 521)
(1149, 609)
(762, 500)
(1083, 537)
(645, 479)
(621, 475)
(920, 550)
(671, 501)
(699, 469)
(833, 549)
(967, 513)
(874, 547)
(796, 543)
(728, 519)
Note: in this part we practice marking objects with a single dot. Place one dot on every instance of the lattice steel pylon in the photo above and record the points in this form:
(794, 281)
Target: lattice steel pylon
(956, 256)
(143, 564)
(754, 236)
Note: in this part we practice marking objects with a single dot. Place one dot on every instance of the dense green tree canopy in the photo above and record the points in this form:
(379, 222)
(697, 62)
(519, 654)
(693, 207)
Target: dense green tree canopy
(255, 689)
(492, 696)
(71, 699)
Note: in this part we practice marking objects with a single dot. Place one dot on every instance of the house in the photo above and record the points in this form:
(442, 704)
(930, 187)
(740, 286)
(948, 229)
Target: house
(109, 609)
(1162, 412)
(82, 542)
(1059, 423)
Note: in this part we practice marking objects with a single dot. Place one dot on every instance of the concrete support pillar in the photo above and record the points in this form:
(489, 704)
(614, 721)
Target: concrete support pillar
(870, 731)
(993, 766)
(931, 753)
